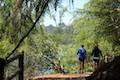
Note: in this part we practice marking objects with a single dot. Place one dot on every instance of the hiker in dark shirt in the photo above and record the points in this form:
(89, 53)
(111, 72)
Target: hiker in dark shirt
(96, 53)
(81, 56)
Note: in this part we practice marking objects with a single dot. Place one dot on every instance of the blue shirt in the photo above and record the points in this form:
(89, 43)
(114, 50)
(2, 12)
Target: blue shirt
(81, 53)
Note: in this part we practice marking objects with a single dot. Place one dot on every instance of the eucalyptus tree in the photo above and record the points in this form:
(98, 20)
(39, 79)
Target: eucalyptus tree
(58, 15)
(107, 13)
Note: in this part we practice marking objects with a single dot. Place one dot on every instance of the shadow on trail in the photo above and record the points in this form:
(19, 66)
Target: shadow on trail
(107, 71)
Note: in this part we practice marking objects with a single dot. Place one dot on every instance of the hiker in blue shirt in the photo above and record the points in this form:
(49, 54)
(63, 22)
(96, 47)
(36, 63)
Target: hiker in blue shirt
(82, 56)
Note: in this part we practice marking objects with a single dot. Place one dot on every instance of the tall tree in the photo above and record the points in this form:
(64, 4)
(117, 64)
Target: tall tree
(108, 14)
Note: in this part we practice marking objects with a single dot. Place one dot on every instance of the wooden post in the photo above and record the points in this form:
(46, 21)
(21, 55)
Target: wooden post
(21, 66)
(2, 65)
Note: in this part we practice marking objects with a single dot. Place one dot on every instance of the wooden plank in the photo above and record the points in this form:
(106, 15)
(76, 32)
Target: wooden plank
(61, 76)
(21, 67)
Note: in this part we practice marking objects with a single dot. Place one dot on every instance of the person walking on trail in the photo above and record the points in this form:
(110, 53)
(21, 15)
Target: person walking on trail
(96, 53)
(81, 56)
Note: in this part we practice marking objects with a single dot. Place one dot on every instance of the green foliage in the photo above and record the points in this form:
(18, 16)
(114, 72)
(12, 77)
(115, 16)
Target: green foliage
(41, 51)
(5, 47)
(108, 13)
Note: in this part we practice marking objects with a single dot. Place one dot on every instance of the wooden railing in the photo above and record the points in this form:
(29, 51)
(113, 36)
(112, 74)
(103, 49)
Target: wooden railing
(19, 72)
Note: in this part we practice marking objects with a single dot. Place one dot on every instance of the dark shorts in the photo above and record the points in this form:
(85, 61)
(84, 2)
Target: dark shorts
(96, 60)
(82, 60)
